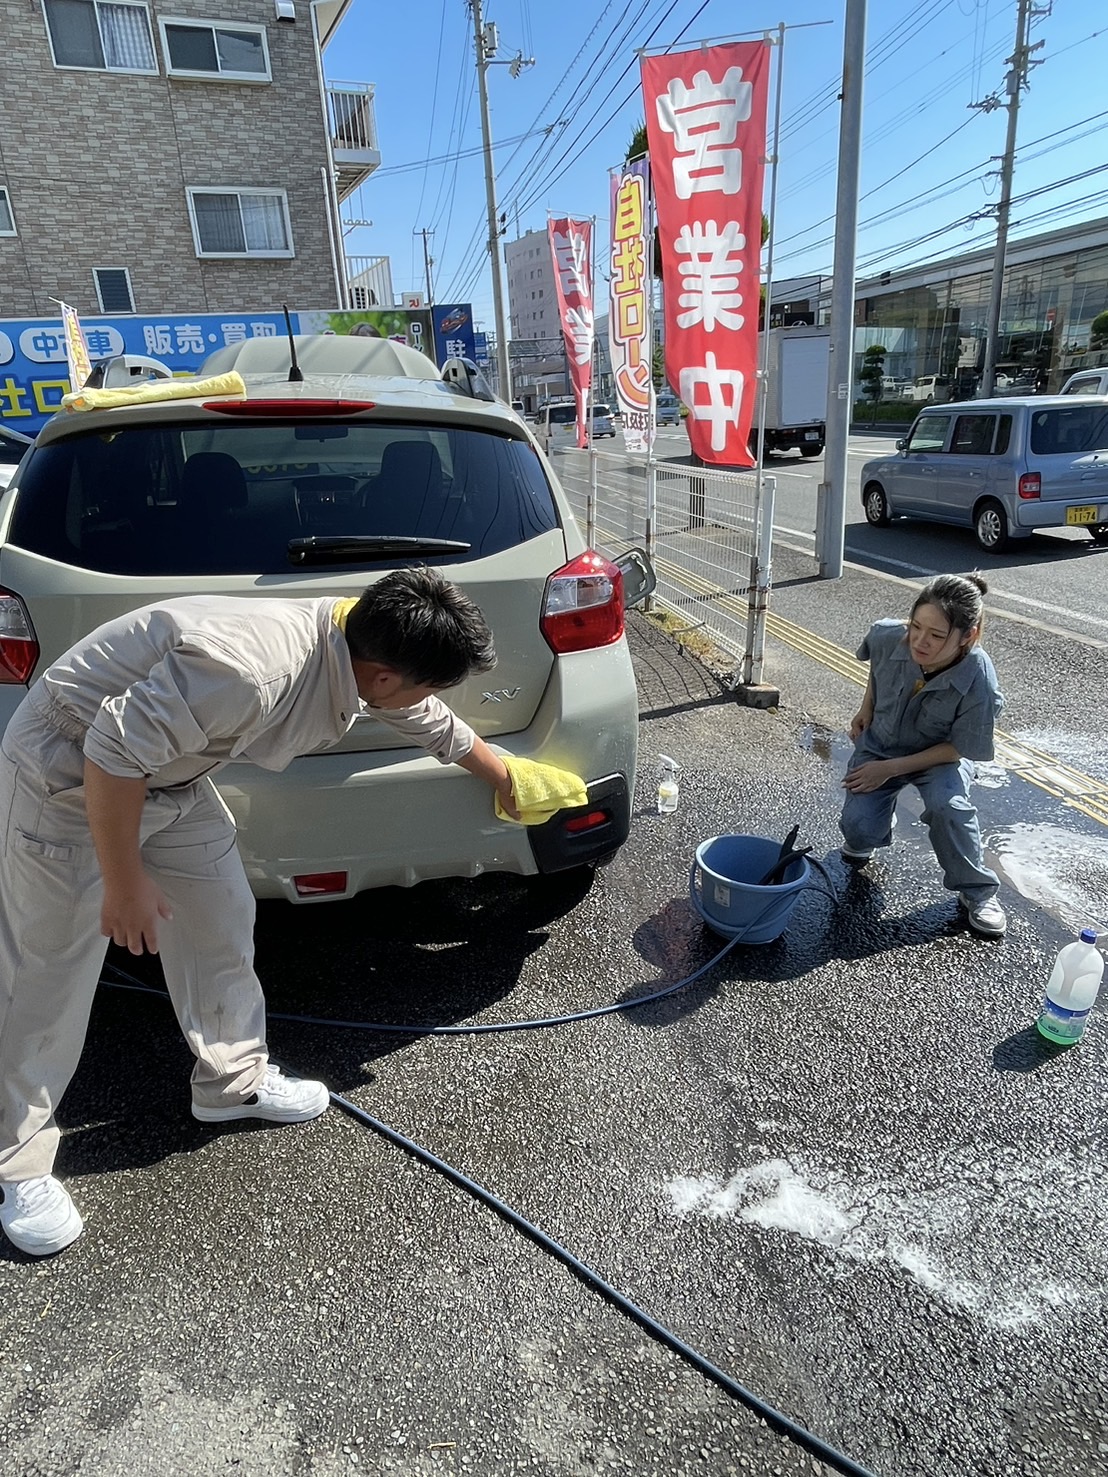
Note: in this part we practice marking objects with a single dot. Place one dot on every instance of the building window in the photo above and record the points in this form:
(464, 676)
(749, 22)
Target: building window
(102, 35)
(240, 222)
(7, 220)
(208, 49)
(113, 289)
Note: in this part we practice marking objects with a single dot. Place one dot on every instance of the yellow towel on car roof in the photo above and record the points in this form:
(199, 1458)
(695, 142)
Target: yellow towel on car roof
(148, 391)
(540, 791)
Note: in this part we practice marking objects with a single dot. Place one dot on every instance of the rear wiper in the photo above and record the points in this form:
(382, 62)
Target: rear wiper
(348, 548)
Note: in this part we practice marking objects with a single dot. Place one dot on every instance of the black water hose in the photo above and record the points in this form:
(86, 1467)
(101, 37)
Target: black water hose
(773, 1418)
(125, 981)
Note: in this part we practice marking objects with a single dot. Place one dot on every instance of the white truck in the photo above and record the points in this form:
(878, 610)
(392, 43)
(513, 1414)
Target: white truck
(796, 396)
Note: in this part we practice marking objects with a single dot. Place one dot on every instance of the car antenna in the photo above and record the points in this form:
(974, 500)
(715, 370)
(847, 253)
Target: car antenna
(295, 372)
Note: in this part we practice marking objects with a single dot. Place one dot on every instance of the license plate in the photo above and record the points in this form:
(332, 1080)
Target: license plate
(1082, 515)
(811, 435)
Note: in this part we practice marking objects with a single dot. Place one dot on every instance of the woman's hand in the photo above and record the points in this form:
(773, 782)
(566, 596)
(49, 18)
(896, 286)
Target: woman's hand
(869, 776)
(860, 722)
(130, 912)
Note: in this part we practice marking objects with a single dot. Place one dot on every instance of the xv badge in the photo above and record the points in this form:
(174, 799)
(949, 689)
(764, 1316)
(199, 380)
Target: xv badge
(501, 695)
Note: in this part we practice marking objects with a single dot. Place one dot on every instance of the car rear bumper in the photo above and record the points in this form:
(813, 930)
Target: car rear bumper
(1051, 513)
(397, 817)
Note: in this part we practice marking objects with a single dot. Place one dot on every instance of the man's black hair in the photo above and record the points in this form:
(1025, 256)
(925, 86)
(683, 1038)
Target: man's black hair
(418, 623)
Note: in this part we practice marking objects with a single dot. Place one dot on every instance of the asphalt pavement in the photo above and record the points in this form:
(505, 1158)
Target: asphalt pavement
(842, 1167)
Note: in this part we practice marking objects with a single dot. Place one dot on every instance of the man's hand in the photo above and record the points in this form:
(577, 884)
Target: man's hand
(505, 796)
(130, 912)
(869, 776)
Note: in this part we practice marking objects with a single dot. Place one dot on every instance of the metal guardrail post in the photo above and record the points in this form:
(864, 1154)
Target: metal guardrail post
(651, 514)
(590, 505)
(761, 574)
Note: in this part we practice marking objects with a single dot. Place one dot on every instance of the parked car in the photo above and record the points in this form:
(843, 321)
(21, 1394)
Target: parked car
(603, 422)
(928, 387)
(13, 448)
(1002, 468)
(1087, 382)
(374, 461)
(667, 410)
(556, 425)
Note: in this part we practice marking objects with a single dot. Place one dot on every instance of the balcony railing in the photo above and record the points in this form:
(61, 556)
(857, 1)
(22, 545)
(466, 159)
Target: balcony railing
(353, 127)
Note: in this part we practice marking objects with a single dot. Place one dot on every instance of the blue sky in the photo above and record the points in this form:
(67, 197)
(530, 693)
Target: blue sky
(928, 159)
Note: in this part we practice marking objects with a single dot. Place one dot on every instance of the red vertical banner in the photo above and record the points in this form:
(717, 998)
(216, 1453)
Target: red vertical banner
(706, 128)
(571, 248)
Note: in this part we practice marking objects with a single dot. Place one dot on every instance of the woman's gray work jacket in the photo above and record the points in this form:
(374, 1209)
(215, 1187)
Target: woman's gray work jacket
(957, 706)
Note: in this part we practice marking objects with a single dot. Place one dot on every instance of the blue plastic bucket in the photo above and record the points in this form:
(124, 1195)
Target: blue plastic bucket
(723, 886)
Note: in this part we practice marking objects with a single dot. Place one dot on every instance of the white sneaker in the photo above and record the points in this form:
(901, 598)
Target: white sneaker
(39, 1217)
(855, 858)
(279, 1099)
(984, 916)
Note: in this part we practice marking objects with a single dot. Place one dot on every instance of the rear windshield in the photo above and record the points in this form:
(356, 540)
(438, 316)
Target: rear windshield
(226, 498)
(563, 415)
(1069, 431)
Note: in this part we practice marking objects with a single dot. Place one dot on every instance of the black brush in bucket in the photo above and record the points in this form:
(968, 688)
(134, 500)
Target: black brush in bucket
(745, 887)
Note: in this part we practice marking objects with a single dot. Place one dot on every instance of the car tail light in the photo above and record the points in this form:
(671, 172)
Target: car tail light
(19, 651)
(290, 409)
(1031, 485)
(583, 605)
(589, 822)
(320, 884)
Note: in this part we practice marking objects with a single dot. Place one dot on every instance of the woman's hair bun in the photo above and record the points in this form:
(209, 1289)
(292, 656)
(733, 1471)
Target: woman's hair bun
(977, 579)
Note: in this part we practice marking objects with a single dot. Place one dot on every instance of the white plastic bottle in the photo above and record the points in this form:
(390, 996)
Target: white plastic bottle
(668, 788)
(1071, 990)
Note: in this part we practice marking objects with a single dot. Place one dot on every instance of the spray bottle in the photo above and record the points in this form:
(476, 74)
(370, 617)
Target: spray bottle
(1071, 991)
(668, 789)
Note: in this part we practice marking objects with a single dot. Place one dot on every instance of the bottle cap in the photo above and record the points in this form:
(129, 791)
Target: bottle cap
(1088, 935)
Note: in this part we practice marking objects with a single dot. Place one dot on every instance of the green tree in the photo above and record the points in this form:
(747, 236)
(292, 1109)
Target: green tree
(1098, 331)
(872, 373)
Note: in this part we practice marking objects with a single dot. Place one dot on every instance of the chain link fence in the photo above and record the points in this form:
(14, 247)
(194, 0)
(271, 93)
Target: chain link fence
(708, 533)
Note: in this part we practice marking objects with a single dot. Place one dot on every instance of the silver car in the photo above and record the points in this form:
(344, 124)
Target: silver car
(318, 487)
(1001, 467)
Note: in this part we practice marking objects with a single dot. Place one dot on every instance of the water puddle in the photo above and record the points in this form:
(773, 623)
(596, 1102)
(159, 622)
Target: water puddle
(981, 1238)
(1064, 872)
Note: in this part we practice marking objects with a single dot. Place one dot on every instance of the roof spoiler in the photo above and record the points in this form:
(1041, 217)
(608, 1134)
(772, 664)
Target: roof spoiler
(464, 375)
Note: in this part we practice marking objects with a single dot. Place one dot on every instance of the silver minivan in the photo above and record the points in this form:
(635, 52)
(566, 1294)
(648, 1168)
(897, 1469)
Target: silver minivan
(1000, 467)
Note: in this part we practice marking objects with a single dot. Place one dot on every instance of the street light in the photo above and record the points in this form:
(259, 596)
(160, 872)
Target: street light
(487, 40)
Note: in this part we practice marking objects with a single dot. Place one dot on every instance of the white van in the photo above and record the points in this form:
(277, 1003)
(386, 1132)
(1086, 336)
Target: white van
(1088, 382)
(556, 426)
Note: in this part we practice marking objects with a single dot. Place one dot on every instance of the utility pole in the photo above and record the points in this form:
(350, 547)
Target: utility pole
(427, 263)
(831, 494)
(486, 41)
(1019, 65)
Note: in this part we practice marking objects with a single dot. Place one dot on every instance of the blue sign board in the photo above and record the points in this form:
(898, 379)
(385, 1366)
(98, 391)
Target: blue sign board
(34, 374)
(453, 329)
(33, 371)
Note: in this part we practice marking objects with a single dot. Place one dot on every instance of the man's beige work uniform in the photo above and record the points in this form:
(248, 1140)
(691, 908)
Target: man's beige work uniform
(170, 693)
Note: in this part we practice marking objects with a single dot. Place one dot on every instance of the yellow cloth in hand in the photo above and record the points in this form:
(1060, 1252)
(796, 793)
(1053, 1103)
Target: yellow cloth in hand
(540, 791)
(231, 383)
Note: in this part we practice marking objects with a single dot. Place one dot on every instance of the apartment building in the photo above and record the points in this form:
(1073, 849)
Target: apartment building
(175, 155)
